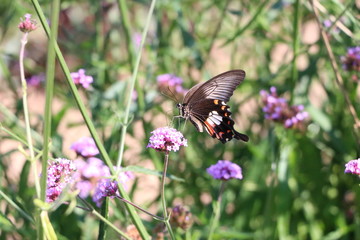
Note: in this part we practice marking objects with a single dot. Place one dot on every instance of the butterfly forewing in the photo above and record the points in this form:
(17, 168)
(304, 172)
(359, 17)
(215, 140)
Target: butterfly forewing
(219, 87)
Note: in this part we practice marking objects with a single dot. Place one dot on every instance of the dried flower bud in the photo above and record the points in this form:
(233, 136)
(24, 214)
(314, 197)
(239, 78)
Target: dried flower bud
(181, 217)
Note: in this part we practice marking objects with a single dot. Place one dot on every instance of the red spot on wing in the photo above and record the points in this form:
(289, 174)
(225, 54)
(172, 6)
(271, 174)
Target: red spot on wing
(210, 128)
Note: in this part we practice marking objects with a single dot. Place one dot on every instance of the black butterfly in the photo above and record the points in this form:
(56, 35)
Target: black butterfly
(205, 106)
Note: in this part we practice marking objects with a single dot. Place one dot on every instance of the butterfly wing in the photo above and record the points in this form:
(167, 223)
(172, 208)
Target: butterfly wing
(219, 87)
(214, 116)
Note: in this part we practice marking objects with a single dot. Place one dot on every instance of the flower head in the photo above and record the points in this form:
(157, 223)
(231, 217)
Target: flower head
(351, 62)
(166, 139)
(278, 110)
(60, 173)
(27, 25)
(85, 147)
(181, 217)
(79, 77)
(170, 80)
(225, 170)
(353, 167)
(109, 188)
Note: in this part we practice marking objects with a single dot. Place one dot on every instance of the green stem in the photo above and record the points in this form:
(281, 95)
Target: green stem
(163, 201)
(217, 211)
(132, 85)
(296, 44)
(50, 75)
(130, 47)
(26, 113)
(12, 203)
(134, 216)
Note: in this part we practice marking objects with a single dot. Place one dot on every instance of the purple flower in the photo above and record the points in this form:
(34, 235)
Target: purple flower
(353, 167)
(79, 77)
(137, 39)
(88, 174)
(60, 173)
(351, 62)
(225, 170)
(278, 110)
(108, 188)
(85, 147)
(166, 139)
(27, 25)
(36, 80)
(170, 80)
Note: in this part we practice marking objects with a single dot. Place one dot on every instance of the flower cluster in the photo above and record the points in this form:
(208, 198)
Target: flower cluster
(170, 80)
(80, 77)
(85, 147)
(60, 173)
(353, 167)
(27, 25)
(351, 62)
(278, 110)
(107, 187)
(181, 217)
(89, 173)
(225, 170)
(166, 139)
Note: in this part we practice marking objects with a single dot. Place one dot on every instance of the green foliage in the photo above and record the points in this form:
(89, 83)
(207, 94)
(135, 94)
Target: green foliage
(294, 185)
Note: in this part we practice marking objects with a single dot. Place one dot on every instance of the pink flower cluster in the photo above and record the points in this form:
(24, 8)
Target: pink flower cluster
(81, 78)
(166, 139)
(351, 62)
(27, 25)
(278, 110)
(353, 167)
(170, 80)
(225, 170)
(60, 173)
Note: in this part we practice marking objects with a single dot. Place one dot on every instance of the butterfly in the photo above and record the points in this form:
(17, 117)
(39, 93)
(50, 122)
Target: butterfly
(205, 106)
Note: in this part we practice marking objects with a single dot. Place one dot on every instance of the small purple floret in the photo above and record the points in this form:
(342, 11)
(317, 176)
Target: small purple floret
(81, 78)
(85, 147)
(353, 167)
(225, 170)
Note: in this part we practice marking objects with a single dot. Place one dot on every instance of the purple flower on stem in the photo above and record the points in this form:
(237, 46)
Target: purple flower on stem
(225, 170)
(353, 167)
(79, 77)
(351, 62)
(27, 25)
(171, 80)
(85, 147)
(278, 110)
(166, 139)
(60, 173)
(109, 188)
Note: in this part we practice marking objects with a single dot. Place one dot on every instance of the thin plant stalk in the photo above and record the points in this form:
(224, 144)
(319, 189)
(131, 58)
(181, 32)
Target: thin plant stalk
(338, 79)
(217, 210)
(132, 85)
(24, 41)
(50, 75)
(163, 200)
(12, 203)
(132, 213)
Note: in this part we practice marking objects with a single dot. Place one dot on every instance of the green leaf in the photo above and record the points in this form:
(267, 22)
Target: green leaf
(319, 117)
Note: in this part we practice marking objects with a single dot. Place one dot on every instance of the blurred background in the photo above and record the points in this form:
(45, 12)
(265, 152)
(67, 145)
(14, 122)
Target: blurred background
(294, 185)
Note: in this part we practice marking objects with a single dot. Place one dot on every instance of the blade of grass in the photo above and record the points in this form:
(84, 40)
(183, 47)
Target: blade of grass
(134, 216)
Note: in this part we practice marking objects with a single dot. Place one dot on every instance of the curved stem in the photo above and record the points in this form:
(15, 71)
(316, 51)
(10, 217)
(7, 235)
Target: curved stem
(26, 113)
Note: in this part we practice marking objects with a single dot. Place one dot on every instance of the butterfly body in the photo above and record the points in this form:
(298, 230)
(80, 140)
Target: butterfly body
(205, 106)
